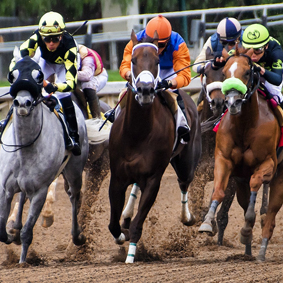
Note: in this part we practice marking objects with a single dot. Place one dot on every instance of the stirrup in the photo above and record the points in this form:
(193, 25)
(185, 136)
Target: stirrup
(184, 133)
(73, 146)
(109, 115)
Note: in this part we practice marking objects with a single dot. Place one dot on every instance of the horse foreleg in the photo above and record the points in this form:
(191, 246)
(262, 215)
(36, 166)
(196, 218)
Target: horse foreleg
(262, 174)
(264, 204)
(222, 172)
(47, 211)
(187, 218)
(117, 199)
(147, 199)
(14, 222)
(36, 205)
(128, 212)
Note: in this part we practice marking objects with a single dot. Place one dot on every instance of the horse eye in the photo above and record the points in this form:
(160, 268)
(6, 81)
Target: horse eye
(134, 61)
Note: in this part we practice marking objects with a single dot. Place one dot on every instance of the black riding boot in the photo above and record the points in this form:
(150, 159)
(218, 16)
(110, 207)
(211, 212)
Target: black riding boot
(183, 132)
(73, 144)
(93, 102)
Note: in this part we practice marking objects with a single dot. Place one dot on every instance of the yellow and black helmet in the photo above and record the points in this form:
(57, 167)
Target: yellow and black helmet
(51, 23)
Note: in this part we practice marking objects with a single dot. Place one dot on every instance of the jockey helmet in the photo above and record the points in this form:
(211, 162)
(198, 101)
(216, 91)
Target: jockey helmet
(161, 25)
(229, 29)
(51, 23)
(255, 36)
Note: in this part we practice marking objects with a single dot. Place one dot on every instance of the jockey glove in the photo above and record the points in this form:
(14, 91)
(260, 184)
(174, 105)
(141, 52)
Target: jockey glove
(216, 64)
(50, 88)
(164, 84)
(257, 68)
(201, 70)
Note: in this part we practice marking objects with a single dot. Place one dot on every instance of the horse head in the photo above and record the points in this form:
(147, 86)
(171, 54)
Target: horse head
(26, 80)
(145, 68)
(212, 83)
(240, 79)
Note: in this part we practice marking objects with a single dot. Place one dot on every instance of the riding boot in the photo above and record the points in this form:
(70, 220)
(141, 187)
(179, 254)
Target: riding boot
(73, 143)
(93, 102)
(110, 115)
(184, 132)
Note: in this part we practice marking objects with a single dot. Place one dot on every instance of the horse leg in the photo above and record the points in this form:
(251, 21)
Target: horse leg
(5, 206)
(262, 174)
(222, 215)
(47, 211)
(147, 199)
(264, 204)
(14, 222)
(26, 235)
(117, 199)
(222, 171)
(275, 203)
(128, 212)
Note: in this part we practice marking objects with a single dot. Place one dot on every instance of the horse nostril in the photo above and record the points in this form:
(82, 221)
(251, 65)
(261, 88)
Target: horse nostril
(16, 103)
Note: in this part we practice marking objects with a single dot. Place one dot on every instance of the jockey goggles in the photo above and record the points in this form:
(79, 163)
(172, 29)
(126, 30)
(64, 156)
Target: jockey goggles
(54, 39)
(162, 44)
(258, 51)
(230, 43)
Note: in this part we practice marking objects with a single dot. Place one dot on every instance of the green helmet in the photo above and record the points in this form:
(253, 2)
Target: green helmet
(255, 36)
(51, 23)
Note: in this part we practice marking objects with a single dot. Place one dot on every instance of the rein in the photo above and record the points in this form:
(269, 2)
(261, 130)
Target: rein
(35, 103)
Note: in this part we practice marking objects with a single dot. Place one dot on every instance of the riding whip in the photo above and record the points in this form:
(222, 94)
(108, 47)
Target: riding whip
(79, 28)
(113, 110)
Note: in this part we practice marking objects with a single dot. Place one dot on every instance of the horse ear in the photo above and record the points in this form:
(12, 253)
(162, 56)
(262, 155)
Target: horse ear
(17, 54)
(225, 54)
(155, 38)
(134, 38)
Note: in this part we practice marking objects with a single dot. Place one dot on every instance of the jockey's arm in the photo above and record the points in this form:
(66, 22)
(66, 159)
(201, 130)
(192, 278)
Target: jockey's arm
(125, 67)
(87, 70)
(274, 76)
(71, 71)
(181, 59)
(202, 56)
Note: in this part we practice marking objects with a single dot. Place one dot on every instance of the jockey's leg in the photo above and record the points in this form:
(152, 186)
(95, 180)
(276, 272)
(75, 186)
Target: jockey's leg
(70, 116)
(5, 121)
(93, 102)
(184, 129)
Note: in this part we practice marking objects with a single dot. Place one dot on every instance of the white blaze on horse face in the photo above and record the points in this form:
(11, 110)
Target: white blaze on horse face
(232, 69)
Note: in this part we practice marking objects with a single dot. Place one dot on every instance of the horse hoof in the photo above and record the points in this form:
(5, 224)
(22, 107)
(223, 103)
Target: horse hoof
(246, 236)
(47, 221)
(260, 258)
(10, 226)
(80, 240)
(191, 221)
(207, 228)
(120, 240)
(126, 233)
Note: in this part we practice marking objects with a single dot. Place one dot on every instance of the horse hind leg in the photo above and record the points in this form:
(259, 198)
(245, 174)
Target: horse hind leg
(264, 204)
(128, 212)
(187, 218)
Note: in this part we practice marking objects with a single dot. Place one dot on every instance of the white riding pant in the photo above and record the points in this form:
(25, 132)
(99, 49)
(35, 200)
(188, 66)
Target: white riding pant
(275, 91)
(96, 82)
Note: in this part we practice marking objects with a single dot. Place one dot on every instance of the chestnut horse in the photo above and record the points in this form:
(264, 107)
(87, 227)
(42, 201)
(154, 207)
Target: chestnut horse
(211, 110)
(246, 144)
(141, 145)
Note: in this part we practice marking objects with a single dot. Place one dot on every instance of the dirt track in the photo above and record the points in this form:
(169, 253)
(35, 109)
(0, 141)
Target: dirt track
(167, 252)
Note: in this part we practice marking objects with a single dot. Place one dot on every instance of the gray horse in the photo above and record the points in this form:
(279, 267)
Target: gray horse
(33, 154)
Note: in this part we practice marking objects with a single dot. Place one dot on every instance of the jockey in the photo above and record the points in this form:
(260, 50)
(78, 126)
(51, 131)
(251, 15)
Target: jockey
(268, 56)
(58, 56)
(229, 31)
(92, 76)
(174, 55)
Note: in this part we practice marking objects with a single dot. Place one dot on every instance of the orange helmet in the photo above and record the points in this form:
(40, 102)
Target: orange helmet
(161, 25)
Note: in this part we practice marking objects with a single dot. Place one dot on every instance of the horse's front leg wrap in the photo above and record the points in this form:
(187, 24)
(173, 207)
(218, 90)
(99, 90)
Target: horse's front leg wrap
(263, 247)
(209, 224)
(128, 212)
(131, 253)
(186, 217)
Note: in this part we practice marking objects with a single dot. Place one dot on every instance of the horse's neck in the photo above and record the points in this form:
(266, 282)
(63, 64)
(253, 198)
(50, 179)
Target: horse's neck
(138, 118)
(28, 127)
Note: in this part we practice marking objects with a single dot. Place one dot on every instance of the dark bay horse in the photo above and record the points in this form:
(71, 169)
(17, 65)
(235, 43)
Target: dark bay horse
(141, 145)
(246, 144)
(33, 154)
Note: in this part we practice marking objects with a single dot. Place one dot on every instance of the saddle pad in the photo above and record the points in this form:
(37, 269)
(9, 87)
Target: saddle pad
(94, 135)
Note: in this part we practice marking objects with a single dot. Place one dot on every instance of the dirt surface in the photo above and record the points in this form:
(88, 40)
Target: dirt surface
(167, 252)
